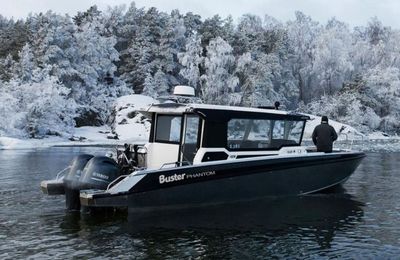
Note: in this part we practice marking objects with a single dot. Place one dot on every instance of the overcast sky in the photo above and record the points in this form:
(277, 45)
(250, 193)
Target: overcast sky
(354, 12)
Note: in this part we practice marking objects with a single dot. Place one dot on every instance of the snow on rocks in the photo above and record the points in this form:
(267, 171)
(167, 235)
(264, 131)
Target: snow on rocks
(129, 125)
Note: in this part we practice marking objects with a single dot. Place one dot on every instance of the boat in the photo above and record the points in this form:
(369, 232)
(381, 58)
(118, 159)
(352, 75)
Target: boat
(199, 154)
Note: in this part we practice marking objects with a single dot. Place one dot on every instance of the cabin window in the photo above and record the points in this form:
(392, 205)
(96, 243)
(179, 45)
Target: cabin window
(192, 128)
(287, 130)
(260, 134)
(189, 145)
(248, 133)
(168, 129)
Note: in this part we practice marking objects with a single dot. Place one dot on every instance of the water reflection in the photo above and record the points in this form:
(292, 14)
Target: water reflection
(74, 222)
(265, 227)
(270, 214)
(279, 227)
(332, 225)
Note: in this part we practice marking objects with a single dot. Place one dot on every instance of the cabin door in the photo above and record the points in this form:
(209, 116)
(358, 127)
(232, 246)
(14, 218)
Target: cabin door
(190, 138)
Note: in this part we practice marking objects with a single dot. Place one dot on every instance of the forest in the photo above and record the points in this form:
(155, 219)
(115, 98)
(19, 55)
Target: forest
(58, 72)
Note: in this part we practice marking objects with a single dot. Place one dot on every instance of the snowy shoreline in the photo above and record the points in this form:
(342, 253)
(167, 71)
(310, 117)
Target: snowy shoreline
(100, 137)
(129, 126)
(388, 144)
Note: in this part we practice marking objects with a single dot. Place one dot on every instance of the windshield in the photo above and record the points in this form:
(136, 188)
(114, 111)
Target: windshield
(168, 129)
(263, 133)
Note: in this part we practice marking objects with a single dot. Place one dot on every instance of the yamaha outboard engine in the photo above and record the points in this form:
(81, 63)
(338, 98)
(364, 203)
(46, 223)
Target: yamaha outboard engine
(99, 172)
(71, 181)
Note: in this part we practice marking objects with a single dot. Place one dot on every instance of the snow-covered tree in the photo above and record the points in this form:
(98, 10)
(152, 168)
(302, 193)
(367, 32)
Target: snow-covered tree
(81, 58)
(149, 88)
(36, 108)
(7, 68)
(332, 63)
(256, 80)
(82, 18)
(248, 34)
(9, 115)
(302, 35)
(191, 60)
(144, 48)
(349, 74)
(161, 83)
(139, 64)
(48, 108)
(96, 64)
(172, 41)
(156, 85)
(26, 64)
(192, 23)
(13, 36)
(345, 107)
(218, 82)
(210, 29)
(383, 90)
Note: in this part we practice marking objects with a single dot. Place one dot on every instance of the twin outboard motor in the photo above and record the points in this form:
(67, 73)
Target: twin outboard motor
(88, 172)
(99, 172)
(71, 181)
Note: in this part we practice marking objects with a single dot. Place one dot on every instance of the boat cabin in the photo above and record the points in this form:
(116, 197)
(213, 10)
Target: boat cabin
(184, 134)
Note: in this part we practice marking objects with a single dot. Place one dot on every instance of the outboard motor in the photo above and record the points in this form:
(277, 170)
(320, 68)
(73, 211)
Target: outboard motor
(71, 181)
(99, 172)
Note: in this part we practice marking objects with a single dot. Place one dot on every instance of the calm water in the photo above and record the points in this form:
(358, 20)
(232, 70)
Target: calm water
(361, 221)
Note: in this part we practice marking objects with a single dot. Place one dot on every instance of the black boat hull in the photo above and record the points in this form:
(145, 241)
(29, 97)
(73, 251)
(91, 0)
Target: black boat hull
(228, 181)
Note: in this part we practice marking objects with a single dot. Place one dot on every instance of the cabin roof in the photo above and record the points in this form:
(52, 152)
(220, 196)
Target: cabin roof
(216, 110)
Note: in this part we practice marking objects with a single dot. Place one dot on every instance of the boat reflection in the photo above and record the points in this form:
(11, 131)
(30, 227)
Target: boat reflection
(317, 215)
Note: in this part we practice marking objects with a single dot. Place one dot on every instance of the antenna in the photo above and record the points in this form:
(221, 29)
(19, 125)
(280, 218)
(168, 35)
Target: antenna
(181, 94)
(186, 91)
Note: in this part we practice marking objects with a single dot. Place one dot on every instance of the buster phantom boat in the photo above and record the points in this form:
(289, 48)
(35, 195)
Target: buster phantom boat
(207, 154)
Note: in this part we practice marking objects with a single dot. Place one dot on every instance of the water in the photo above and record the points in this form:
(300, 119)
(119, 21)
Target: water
(362, 220)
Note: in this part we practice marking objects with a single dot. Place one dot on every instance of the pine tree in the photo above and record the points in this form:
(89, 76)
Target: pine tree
(13, 36)
(143, 49)
(172, 41)
(149, 88)
(256, 80)
(218, 82)
(7, 68)
(26, 64)
(191, 60)
(210, 29)
(332, 59)
(192, 23)
(96, 65)
(161, 83)
(302, 34)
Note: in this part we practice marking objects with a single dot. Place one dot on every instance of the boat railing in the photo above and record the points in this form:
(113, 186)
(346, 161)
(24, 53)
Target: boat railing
(175, 164)
(353, 139)
(119, 178)
(116, 181)
(61, 173)
(183, 163)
